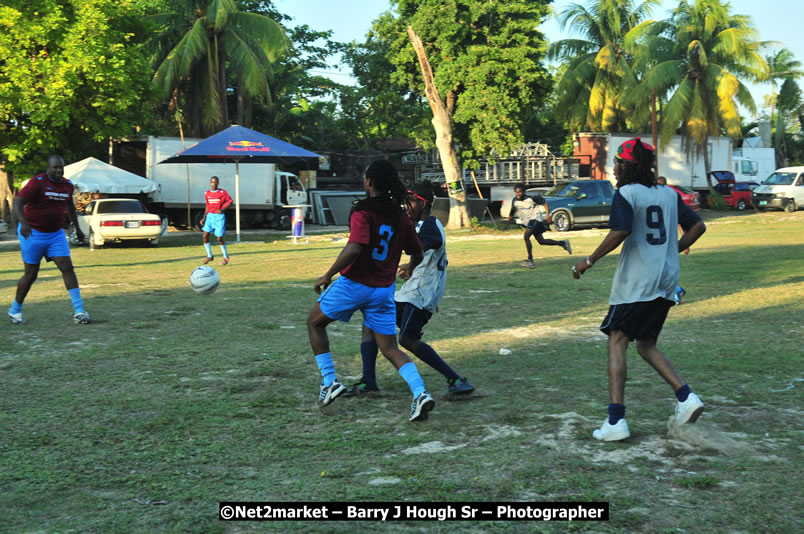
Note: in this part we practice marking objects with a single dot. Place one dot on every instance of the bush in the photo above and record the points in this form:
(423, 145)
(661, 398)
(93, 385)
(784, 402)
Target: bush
(715, 201)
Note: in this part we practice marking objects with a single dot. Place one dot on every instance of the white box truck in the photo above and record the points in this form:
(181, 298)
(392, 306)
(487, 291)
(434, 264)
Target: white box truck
(264, 191)
(753, 164)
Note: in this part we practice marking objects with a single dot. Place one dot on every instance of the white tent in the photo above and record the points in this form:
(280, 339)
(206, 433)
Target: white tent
(90, 175)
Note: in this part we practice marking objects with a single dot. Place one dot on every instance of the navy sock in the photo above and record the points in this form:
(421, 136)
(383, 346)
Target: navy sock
(368, 351)
(683, 392)
(428, 355)
(616, 412)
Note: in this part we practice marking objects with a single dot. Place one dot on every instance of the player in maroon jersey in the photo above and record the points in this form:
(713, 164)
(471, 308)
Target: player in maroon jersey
(40, 207)
(214, 220)
(379, 231)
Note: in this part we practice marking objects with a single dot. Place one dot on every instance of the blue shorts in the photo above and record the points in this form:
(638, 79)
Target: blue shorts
(43, 245)
(215, 223)
(345, 296)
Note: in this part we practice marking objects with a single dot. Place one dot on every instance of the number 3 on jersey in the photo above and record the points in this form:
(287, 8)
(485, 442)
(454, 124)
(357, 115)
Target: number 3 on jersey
(654, 218)
(381, 252)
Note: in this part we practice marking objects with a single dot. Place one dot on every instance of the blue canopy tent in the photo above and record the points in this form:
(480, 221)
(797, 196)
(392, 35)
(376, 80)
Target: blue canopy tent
(237, 145)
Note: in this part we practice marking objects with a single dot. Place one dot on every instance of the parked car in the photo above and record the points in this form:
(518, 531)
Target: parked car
(586, 202)
(735, 194)
(3, 227)
(691, 198)
(784, 189)
(117, 219)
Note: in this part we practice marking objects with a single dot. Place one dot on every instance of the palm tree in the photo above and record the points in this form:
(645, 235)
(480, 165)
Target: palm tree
(599, 67)
(781, 65)
(700, 54)
(196, 45)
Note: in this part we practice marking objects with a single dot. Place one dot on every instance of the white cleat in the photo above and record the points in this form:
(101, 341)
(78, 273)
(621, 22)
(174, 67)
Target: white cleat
(614, 432)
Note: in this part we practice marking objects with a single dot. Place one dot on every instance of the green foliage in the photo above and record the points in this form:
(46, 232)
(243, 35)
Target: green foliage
(72, 75)
(700, 57)
(486, 58)
(195, 45)
(603, 65)
(377, 110)
(715, 201)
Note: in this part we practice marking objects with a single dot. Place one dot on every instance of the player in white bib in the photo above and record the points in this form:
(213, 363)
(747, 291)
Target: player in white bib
(644, 218)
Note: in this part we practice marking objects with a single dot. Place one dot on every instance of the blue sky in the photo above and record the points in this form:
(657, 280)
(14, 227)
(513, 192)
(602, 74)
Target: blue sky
(350, 20)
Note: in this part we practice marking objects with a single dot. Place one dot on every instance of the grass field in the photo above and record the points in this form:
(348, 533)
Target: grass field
(170, 402)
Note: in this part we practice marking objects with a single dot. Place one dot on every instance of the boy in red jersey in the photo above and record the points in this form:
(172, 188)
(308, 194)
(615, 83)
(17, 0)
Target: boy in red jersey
(214, 220)
(379, 231)
(40, 208)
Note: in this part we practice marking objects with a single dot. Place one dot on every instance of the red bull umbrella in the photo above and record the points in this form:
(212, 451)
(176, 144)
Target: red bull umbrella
(237, 145)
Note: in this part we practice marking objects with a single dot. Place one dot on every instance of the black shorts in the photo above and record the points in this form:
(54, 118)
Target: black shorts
(637, 320)
(537, 227)
(411, 320)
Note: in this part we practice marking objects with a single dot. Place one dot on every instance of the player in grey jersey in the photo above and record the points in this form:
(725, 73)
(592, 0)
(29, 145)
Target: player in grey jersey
(644, 218)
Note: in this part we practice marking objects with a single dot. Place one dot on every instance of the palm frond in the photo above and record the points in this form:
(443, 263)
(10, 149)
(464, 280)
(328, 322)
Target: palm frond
(177, 64)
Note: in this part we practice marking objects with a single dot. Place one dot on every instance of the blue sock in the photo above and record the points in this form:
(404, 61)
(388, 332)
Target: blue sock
(223, 249)
(75, 296)
(412, 377)
(16, 307)
(428, 355)
(683, 392)
(616, 412)
(208, 248)
(326, 367)
(368, 351)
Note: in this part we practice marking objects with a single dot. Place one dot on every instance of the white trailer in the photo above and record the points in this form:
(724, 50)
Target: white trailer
(679, 163)
(264, 191)
(753, 164)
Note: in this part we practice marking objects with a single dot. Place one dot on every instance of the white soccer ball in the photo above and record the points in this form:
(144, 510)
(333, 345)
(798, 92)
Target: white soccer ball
(204, 280)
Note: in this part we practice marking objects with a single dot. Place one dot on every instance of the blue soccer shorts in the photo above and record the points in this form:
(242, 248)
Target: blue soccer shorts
(43, 245)
(215, 223)
(344, 296)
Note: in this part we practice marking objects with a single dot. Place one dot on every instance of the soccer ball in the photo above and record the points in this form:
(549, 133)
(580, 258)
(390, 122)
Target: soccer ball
(204, 280)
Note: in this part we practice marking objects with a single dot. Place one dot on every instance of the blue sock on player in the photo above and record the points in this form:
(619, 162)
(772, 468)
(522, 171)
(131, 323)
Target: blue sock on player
(75, 296)
(412, 377)
(683, 392)
(428, 355)
(368, 351)
(223, 250)
(16, 307)
(208, 248)
(326, 367)
(616, 412)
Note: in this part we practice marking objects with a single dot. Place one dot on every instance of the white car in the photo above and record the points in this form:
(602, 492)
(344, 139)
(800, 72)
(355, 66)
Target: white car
(117, 219)
(784, 189)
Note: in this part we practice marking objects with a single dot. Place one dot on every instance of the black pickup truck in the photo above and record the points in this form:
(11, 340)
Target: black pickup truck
(582, 202)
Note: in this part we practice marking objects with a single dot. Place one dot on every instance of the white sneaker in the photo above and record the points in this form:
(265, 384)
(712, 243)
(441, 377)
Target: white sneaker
(16, 318)
(614, 432)
(421, 406)
(689, 410)
(567, 246)
(329, 393)
(82, 318)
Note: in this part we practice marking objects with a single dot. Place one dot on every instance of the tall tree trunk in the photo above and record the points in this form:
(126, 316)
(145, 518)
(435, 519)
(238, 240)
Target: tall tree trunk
(442, 123)
(221, 67)
(707, 165)
(7, 199)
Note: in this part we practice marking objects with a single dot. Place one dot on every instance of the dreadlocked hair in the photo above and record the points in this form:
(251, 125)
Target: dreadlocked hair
(392, 193)
(640, 171)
